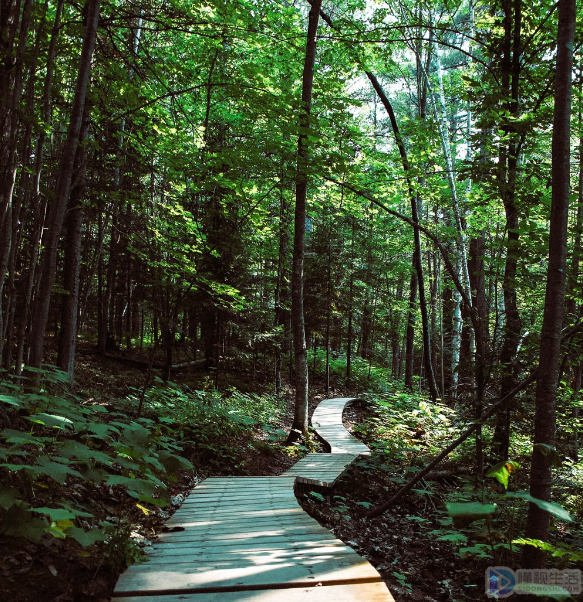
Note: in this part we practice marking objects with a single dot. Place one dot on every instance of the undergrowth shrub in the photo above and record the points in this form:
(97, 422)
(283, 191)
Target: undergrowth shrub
(217, 428)
(363, 374)
(57, 451)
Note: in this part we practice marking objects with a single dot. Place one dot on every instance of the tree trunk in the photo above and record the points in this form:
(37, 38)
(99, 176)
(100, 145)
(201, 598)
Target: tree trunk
(300, 423)
(63, 185)
(507, 173)
(417, 259)
(72, 268)
(550, 343)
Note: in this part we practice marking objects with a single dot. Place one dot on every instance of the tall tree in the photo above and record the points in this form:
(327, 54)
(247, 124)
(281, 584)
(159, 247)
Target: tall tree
(550, 340)
(300, 422)
(62, 190)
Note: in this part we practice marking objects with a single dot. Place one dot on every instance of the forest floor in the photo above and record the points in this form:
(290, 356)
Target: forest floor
(414, 566)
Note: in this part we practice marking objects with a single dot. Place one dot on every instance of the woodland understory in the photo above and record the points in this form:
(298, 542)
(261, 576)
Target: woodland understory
(215, 212)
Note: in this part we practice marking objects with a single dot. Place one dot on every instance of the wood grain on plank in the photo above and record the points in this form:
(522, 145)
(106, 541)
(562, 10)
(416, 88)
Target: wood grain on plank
(362, 592)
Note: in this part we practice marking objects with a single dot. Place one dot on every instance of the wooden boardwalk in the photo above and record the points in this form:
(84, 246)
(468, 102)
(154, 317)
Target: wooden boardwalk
(248, 539)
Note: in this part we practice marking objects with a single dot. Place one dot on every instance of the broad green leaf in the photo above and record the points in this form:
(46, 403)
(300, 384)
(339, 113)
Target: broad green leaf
(173, 462)
(465, 513)
(502, 471)
(316, 496)
(135, 487)
(366, 505)
(86, 538)
(57, 471)
(51, 420)
(61, 514)
(552, 507)
(17, 521)
(8, 497)
(455, 537)
(479, 550)
(10, 400)
(549, 451)
(574, 555)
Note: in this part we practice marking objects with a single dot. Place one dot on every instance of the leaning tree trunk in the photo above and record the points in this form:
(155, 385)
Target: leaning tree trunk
(418, 264)
(63, 187)
(537, 526)
(300, 423)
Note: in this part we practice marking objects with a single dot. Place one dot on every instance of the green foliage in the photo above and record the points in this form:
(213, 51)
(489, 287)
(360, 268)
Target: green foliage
(402, 424)
(497, 521)
(363, 374)
(65, 447)
(216, 428)
(465, 513)
(502, 471)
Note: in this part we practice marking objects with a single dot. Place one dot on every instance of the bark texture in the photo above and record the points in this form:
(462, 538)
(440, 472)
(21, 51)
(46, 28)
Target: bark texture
(300, 423)
(550, 344)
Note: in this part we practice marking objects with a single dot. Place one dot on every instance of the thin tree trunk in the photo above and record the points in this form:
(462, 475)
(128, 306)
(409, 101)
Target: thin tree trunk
(11, 85)
(300, 423)
(416, 235)
(63, 185)
(72, 267)
(537, 526)
(508, 164)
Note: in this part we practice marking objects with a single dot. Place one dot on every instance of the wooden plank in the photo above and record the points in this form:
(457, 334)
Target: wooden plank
(250, 558)
(244, 512)
(227, 548)
(140, 579)
(240, 496)
(362, 592)
(188, 535)
(248, 526)
(259, 499)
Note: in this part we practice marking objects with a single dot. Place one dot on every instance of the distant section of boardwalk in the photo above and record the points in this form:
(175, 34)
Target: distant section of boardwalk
(248, 539)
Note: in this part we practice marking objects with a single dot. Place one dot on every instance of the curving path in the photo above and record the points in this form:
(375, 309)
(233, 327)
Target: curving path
(248, 539)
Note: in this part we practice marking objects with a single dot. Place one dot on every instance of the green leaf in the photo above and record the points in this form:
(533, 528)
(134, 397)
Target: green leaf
(51, 420)
(502, 471)
(135, 487)
(9, 497)
(173, 462)
(18, 522)
(10, 400)
(55, 514)
(549, 451)
(316, 496)
(64, 513)
(465, 513)
(556, 551)
(552, 507)
(455, 537)
(86, 538)
(480, 550)
(57, 471)
(366, 505)
(101, 430)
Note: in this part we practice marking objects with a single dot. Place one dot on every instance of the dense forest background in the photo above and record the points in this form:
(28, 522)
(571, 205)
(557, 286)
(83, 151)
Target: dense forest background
(152, 159)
